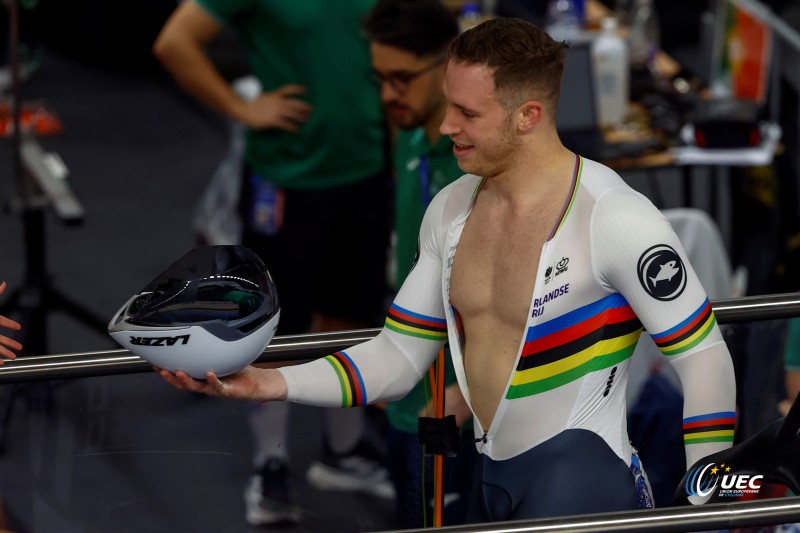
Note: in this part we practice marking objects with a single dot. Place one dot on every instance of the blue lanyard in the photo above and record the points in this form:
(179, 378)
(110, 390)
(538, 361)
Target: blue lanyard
(424, 179)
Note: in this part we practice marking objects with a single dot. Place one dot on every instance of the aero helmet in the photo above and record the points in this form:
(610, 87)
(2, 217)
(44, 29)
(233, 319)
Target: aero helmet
(215, 309)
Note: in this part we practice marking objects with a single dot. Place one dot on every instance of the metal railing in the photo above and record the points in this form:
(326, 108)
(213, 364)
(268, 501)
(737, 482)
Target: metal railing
(289, 348)
(285, 349)
(712, 516)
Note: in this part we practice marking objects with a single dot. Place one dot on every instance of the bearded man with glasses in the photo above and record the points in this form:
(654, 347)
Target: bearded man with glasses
(409, 41)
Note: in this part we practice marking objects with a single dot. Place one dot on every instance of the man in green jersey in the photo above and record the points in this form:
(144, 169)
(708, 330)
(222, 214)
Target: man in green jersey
(409, 41)
(315, 184)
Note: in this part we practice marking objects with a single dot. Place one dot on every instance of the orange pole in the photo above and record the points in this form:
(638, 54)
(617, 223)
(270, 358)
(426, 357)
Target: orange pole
(438, 460)
(434, 388)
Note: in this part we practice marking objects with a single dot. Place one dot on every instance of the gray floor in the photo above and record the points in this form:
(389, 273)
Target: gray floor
(139, 155)
(127, 453)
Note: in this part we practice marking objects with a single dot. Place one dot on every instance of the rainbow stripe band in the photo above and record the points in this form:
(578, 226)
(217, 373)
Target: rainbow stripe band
(713, 427)
(688, 333)
(593, 337)
(354, 394)
(416, 325)
(576, 176)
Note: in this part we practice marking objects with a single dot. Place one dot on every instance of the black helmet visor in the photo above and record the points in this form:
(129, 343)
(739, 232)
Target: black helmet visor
(213, 283)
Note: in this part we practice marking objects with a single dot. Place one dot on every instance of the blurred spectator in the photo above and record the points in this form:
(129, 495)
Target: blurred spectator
(409, 41)
(314, 186)
(791, 365)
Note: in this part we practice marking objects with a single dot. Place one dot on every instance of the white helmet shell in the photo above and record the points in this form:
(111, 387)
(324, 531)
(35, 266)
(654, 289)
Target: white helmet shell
(216, 309)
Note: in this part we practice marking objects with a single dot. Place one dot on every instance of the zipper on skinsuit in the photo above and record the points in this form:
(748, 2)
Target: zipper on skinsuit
(544, 260)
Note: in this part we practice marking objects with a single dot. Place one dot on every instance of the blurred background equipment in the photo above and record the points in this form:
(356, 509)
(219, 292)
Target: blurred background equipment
(41, 182)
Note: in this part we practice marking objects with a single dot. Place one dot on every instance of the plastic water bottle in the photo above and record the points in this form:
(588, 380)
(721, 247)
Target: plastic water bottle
(644, 35)
(611, 74)
(565, 19)
(469, 16)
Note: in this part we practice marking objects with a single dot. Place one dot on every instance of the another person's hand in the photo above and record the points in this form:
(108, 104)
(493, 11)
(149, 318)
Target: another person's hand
(7, 344)
(454, 404)
(784, 406)
(791, 380)
(278, 109)
(250, 383)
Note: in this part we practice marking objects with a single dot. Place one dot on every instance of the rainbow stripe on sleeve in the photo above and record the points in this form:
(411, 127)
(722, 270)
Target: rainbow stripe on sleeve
(593, 337)
(688, 333)
(713, 427)
(416, 325)
(354, 393)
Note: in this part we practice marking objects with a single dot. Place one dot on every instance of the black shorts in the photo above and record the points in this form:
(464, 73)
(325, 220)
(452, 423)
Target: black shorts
(327, 253)
(573, 473)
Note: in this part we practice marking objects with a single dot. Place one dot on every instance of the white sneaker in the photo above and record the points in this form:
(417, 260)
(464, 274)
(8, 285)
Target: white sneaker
(352, 473)
(267, 498)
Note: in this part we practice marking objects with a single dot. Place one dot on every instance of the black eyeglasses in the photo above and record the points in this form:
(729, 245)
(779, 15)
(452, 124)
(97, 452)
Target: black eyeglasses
(399, 81)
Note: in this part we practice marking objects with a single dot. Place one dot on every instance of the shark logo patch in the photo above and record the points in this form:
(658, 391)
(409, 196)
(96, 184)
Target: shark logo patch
(661, 272)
